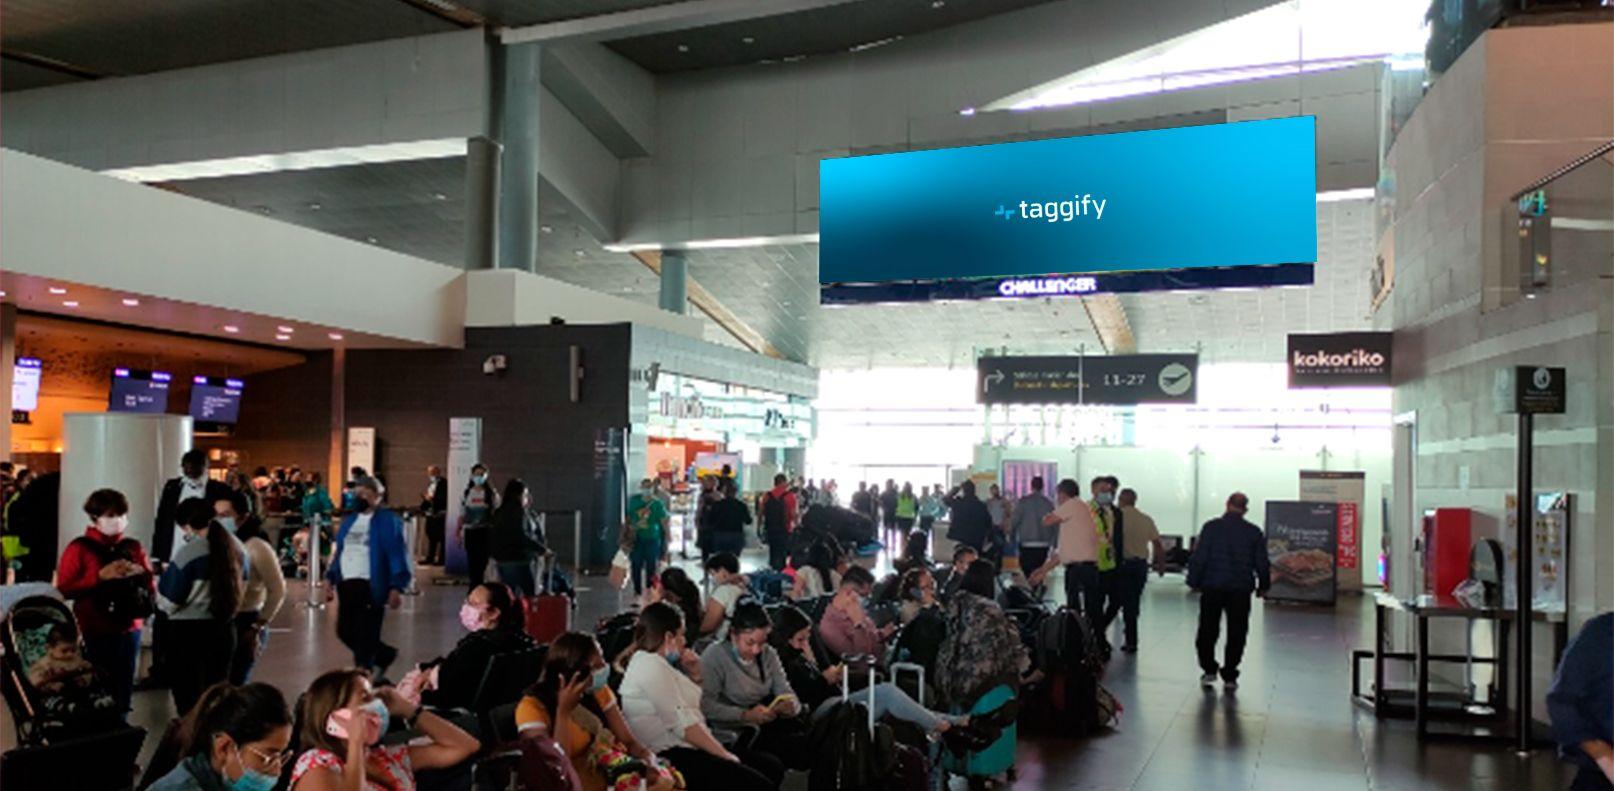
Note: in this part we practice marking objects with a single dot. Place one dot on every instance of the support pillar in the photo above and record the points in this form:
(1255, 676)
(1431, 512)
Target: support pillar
(515, 117)
(674, 282)
(336, 465)
(481, 203)
(8, 360)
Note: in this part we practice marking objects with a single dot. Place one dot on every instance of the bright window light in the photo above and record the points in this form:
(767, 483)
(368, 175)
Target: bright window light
(1290, 38)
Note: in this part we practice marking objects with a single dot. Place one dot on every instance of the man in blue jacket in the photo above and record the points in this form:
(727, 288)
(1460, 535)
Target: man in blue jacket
(1581, 704)
(369, 572)
(1229, 563)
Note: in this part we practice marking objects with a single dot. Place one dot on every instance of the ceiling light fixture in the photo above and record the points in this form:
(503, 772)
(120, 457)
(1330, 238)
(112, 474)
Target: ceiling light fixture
(2, 293)
(683, 47)
(938, 3)
(285, 329)
(72, 303)
(580, 252)
(546, 229)
(230, 328)
(131, 302)
(58, 290)
(371, 239)
(282, 337)
(748, 40)
(335, 336)
(315, 206)
(439, 196)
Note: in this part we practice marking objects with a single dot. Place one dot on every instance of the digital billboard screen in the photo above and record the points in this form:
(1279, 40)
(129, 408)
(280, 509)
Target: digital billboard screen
(215, 401)
(25, 384)
(134, 390)
(1192, 207)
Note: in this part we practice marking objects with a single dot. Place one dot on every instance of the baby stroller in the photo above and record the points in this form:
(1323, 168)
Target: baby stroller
(68, 725)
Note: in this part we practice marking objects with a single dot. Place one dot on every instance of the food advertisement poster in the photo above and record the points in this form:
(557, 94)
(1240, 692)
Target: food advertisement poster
(1549, 550)
(1348, 489)
(1301, 538)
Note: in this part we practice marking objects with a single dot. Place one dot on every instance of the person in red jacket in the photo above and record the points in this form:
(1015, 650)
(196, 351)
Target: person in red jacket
(111, 584)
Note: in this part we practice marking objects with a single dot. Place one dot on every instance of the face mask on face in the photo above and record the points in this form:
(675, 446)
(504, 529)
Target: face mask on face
(228, 522)
(479, 479)
(112, 525)
(1104, 498)
(251, 780)
(187, 536)
(378, 708)
(470, 617)
(602, 677)
(360, 504)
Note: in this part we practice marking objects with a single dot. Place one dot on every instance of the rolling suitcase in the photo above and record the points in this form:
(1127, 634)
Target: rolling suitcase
(548, 615)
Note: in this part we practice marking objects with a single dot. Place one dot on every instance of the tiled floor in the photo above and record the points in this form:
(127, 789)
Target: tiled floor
(1290, 725)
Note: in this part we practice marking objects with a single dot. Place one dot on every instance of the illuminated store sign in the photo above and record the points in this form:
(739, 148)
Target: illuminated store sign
(1047, 213)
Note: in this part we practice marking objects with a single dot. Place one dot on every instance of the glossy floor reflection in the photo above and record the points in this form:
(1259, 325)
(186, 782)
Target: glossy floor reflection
(1289, 726)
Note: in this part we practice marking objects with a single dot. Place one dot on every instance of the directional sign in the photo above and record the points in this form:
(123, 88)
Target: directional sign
(1118, 380)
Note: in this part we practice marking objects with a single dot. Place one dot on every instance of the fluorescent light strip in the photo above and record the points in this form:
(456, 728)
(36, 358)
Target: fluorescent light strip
(296, 160)
(1360, 193)
(714, 244)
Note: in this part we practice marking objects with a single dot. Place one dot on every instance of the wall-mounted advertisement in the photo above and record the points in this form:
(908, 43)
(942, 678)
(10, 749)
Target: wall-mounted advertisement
(1549, 550)
(1347, 489)
(1071, 215)
(1301, 547)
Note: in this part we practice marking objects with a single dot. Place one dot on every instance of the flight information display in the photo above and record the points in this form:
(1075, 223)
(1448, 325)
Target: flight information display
(135, 390)
(25, 384)
(215, 401)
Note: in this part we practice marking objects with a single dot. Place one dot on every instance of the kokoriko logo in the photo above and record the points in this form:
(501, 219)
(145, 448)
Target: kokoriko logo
(1355, 358)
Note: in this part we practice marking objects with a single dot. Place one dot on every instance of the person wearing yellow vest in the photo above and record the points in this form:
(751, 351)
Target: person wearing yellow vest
(1107, 520)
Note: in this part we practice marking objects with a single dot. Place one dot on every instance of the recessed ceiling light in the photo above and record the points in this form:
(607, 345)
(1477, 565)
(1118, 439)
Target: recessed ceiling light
(72, 303)
(546, 228)
(335, 336)
(315, 206)
(938, 3)
(58, 290)
(580, 252)
(285, 329)
(683, 47)
(230, 328)
(131, 301)
(748, 40)
(370, 239)
(439, 196)
(2, 293)
(282, 337)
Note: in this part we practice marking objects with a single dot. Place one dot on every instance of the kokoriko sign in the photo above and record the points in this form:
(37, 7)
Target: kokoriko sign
(1343, 359)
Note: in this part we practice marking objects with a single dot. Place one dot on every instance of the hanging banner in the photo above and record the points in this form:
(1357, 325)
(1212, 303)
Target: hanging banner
(360, 450)
(1300, 546)
(1550, 551)
(1348, 489)
(464, 452)
(1122, 380)
(610, 493)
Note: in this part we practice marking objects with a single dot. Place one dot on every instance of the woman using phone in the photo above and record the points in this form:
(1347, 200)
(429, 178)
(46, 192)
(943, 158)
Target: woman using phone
(236, 738)
(743, 683)
(661, 700)
(107, 576)
(572, 704)
(343, 722)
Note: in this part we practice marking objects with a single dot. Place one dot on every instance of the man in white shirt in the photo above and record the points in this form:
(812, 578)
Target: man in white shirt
(1140, 538)
(368, 575)
(1077, 551)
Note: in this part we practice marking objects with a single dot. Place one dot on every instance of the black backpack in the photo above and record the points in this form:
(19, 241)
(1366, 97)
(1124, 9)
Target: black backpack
(124, 600)
(1069, 656)
(846, 757)
(774, 518)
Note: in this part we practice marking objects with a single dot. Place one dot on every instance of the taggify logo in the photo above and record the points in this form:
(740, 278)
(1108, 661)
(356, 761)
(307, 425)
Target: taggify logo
(1079, 206)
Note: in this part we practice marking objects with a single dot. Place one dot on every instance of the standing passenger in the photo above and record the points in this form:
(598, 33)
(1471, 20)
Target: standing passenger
(1228, 564)
(368, 574)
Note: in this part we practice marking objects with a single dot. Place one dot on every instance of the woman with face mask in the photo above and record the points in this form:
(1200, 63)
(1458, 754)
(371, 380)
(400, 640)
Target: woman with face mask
(661, 701)
(200, 590)
(572, 704)
(236, 739)
(492, 615)
(743, 683)
(343, 720)
(113, 589)
(477, 505)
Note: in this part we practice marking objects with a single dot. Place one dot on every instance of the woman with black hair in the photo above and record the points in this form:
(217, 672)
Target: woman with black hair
(680, 591)
(107, 576)
(661, 700)
(478, 503)
(201, 590)
(516, 543)
(235, 738)
(493, 616)
(743, 683)
(572, 704)
(265, 590)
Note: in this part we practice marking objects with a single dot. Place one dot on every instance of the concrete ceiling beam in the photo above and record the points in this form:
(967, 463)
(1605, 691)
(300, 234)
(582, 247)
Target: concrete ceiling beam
(658, 19)
(714, 309)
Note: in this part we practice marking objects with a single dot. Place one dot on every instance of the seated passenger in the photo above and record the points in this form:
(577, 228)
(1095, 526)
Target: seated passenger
(917, 593)
(572, 704)
(730, 585)
(343, 720)
(846, 627)
(818, 689)
(494, 618)
(819, 574)
(680, 591)
(743, 683)
(661, 700)
(983, 649)
(236, 737)
(60, 666)
(953, 576)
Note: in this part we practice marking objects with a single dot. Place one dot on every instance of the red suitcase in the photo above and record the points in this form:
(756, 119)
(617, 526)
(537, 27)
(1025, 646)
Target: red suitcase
(548, 615)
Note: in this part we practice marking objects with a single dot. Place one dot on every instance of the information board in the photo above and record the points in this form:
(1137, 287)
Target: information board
(1117, 380)
(134, 390)
(216, 401)
(25, 384)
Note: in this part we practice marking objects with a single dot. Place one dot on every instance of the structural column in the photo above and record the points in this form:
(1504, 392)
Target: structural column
(8, 360)
(481, 203)
(674, 282)
(515, 121)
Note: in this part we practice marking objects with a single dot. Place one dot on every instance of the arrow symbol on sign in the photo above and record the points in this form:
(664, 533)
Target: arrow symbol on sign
(994, 379)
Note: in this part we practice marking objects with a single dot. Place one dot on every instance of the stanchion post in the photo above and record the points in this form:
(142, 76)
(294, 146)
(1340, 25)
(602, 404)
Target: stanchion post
(577, 546)
(315, 576)
(1523, 578)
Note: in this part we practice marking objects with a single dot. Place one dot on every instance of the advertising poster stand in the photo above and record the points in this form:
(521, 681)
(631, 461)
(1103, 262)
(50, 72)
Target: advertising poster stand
(464, 451)
(1348, 489)
(1301, 545)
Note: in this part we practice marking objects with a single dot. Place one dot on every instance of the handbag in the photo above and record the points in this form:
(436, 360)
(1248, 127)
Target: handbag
(619, 570)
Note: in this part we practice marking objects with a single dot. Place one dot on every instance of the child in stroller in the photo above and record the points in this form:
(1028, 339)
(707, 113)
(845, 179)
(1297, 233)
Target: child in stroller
(52, 691)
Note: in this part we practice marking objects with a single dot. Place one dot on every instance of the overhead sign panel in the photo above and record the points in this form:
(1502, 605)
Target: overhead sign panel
(1120, 380)
(1217, 196)
(1342, 359)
